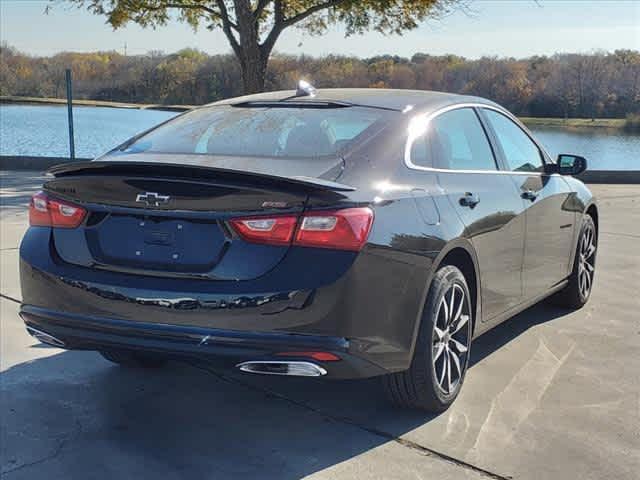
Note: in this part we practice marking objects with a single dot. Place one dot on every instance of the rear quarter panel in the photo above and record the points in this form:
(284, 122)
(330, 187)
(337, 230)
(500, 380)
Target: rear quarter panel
(413, 229)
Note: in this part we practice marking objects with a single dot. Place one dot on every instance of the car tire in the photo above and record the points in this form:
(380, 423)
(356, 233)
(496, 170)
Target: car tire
(427, 384)
(134, 359)
(577, 292)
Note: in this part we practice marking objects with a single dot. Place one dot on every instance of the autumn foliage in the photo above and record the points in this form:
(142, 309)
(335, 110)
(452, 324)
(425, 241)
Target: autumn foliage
(571, 85)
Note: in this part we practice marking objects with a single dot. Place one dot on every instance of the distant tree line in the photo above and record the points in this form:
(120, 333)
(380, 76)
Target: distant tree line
(592, 85)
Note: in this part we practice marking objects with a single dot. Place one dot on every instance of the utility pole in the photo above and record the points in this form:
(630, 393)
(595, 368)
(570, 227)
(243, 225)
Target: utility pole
(125, 49)
(72, 147)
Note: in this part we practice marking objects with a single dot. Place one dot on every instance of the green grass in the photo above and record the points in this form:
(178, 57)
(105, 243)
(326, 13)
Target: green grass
(617, 123)
(90, 103)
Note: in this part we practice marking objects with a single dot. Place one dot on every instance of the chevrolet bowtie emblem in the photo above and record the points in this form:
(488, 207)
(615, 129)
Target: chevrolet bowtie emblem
(152, 199)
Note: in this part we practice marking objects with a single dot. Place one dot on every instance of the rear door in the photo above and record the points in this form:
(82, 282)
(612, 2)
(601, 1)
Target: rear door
(550, 223)
(486, 201)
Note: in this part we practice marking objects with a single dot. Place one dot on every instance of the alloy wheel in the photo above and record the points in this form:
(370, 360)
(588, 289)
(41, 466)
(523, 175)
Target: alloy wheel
(451, 339)
(586, 262)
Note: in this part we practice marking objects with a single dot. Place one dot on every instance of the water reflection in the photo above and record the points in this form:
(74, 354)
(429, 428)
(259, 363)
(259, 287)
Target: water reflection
(42, 130)
(604, 149)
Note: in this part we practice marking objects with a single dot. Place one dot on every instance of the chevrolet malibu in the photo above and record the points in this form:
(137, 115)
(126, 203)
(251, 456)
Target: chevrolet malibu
(345, 233)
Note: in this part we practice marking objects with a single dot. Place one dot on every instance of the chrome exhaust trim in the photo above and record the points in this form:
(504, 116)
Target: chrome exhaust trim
(45, 337)
(282, 367)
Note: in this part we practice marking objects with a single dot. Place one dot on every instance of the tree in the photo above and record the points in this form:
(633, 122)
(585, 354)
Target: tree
(567, 85)
(253, 27)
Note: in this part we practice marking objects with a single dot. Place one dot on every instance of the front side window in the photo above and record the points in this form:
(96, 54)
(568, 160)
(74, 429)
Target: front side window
(521, 153)
(454, 140)
(300, 132)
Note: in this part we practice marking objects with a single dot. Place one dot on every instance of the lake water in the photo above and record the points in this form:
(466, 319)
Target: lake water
(42, 131)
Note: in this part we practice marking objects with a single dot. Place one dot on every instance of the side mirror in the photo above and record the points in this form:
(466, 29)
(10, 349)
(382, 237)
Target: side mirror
(571, 164)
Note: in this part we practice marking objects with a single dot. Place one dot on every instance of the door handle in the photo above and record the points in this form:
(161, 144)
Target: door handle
(529, 195)
(469, 200)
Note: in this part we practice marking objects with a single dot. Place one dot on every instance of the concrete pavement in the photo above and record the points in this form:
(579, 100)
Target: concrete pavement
(550, 394)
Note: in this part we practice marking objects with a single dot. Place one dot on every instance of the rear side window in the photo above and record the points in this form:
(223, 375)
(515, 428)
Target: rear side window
(260, 131)
(520, 152)
(421, 151)
(454, 140)
(460, 143)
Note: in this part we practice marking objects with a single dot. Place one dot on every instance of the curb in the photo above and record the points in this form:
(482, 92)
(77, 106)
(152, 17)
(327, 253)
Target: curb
(19, 162)
(610, 176)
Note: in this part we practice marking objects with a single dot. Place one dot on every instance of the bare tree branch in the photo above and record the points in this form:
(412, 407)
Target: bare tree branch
(227, 25)
(276, 30)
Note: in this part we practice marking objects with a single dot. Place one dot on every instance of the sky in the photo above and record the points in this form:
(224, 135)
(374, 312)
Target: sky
(512, 28)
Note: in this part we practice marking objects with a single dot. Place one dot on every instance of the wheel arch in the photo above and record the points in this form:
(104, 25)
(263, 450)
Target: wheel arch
(592, 211)
(459, 253)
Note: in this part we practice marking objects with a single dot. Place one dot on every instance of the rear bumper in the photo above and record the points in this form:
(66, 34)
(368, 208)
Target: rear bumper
(370, 301)
(226, 348)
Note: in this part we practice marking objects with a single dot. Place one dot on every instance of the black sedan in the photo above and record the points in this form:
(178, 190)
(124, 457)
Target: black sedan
(344, 233)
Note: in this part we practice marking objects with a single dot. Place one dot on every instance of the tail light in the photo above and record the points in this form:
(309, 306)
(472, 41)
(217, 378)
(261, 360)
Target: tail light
(50, 212)
(272, 231)
(345, 229)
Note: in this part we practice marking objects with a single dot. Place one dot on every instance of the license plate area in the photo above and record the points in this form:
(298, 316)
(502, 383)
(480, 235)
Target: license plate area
(157, 243)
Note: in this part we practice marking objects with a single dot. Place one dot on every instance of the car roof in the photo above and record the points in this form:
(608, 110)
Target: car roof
(391, 99)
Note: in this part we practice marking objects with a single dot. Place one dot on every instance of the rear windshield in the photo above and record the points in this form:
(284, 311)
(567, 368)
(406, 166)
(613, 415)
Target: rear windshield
(261, 132)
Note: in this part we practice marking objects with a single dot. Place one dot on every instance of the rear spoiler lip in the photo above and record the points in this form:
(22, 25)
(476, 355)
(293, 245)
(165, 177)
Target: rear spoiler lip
(307, 183)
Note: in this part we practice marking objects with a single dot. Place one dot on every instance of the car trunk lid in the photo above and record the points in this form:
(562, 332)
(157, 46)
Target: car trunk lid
(171, 219)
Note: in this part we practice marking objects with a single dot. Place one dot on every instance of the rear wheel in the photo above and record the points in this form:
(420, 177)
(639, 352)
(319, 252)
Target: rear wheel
(134, 359)
(442, 349)
(578, 290)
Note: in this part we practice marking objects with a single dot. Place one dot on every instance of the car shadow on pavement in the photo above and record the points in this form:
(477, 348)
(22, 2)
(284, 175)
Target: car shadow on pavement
(362, 402)
(74, 415)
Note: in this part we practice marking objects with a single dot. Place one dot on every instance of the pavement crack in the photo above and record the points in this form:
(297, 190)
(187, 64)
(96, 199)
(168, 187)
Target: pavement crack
(348, 421)
(61, 444)
(11, 299)
(49, 457)
(616, 197)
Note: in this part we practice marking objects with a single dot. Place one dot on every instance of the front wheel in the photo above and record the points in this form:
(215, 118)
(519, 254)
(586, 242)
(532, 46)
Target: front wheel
(578, 290)
(441, 356)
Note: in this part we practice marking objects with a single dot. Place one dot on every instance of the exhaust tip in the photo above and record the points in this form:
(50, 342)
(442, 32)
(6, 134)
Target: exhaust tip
(45, 337)
(282, 367)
